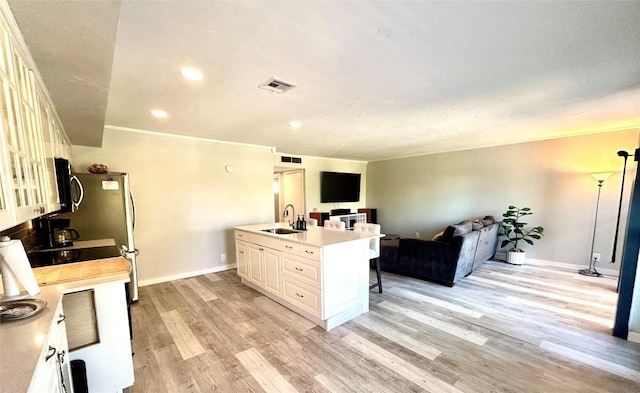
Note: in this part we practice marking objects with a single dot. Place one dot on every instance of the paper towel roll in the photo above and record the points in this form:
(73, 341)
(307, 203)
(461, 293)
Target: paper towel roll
(15, 268)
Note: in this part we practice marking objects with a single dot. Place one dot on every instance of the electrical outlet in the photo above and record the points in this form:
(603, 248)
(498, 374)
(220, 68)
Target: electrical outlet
(596, 257)
(223, 257)
(417, 235)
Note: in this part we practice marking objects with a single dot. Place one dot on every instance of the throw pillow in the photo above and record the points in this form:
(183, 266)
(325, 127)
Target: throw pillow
(488, 220)
(438, 236)
(456, 230)
(477, 224)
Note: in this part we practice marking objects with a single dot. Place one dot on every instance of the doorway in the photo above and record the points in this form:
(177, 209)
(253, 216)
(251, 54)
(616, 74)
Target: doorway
(288, 188)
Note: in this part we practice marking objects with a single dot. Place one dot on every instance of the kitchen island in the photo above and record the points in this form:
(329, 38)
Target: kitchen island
(25, 343)
(321, 274)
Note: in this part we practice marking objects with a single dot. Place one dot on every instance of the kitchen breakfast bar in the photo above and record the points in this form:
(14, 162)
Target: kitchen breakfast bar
(321, 274)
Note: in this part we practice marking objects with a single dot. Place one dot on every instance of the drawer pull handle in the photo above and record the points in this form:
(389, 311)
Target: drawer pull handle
(289, 247)
(52, 352)
(62, 318)
(240, 252)
(261, 249)
(298, 269)
(308, 252)
(299, 295)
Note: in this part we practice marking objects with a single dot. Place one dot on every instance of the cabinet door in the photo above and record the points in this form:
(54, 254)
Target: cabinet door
(256, 265)
(7, 215)
(53, 374)
(242, 259)
(272, 262)
(23, 145)
(48, 134)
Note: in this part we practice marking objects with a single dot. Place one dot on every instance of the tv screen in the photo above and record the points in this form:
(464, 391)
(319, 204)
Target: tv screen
(339, 187)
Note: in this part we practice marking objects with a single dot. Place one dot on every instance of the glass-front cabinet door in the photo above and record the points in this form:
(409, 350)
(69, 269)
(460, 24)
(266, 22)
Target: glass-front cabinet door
(22, 136)
(49, 138)
(7, 212)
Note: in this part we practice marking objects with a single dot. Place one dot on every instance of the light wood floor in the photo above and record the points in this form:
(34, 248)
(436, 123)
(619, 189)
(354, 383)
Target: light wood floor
(503, 329)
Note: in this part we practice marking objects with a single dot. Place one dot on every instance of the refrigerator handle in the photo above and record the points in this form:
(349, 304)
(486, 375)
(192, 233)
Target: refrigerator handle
(77, 203)
(133, 211)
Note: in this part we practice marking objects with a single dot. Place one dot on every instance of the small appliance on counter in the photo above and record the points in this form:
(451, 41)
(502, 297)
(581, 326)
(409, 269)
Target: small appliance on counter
(54, 233)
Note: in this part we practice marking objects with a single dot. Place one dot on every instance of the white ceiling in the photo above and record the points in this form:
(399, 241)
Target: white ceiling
(374, 79)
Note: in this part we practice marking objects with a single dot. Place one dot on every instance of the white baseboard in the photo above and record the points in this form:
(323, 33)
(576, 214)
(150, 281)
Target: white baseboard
(634, 336)
(158, 280)
(502, 256)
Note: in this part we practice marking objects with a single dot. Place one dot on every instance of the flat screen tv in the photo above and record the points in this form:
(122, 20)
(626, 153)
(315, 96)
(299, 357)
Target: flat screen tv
(339, 187)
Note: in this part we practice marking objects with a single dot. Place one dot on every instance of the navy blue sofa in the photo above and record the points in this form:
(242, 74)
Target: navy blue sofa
(455, 254)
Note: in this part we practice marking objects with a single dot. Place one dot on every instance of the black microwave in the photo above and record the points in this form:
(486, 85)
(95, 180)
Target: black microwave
(70, 189)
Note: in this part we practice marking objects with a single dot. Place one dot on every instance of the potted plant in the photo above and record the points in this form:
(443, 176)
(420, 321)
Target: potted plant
(514, 230)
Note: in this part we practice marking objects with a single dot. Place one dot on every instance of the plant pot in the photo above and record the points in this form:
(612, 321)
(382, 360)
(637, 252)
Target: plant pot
(516, 257)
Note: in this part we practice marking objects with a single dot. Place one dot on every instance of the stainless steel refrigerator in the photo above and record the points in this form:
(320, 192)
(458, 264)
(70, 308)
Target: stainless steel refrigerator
(107, 211)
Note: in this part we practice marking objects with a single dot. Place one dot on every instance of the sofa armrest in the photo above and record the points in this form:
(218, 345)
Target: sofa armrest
(429, 259)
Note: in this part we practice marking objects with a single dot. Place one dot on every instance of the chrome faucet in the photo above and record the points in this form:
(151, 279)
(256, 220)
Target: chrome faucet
(285, 214)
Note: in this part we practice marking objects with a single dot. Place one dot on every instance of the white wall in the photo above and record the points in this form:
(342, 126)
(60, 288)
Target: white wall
(426, 193)
(313, 166)
(186, 202)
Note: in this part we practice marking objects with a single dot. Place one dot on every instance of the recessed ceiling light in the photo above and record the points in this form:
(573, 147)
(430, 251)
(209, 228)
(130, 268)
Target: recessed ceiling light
(191, 73)
(159, 113)
(295, 124)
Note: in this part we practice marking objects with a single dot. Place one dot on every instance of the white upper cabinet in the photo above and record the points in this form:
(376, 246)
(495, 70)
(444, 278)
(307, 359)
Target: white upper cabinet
(30, 135)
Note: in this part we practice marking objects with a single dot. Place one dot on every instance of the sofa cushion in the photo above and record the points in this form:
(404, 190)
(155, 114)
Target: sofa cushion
(488, 220)
(456, 230)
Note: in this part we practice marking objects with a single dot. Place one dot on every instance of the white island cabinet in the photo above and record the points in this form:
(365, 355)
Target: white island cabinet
(321, 274)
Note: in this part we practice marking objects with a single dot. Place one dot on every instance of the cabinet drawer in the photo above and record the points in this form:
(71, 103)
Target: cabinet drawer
(289, 247)
(270, 242)
(303, 270)
(248, 237)
(311, 252)
(303, 296)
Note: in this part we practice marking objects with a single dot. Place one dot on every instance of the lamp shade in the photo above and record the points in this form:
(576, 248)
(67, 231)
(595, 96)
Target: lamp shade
(601, 176)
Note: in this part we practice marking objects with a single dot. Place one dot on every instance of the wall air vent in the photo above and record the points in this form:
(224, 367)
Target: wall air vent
(277, 85)
(294, 160)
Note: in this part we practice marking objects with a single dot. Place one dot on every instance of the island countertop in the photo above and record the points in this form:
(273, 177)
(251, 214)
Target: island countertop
(22, 341)
(314, 236)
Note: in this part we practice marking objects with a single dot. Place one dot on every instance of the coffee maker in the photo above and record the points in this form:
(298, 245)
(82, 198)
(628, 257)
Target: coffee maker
(54, 233)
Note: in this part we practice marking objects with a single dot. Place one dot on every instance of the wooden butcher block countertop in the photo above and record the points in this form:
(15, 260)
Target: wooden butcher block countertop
(81, 270)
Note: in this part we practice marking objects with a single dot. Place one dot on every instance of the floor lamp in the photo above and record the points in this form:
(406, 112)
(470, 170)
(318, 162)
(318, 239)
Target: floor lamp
(591, 271)
(624, 154)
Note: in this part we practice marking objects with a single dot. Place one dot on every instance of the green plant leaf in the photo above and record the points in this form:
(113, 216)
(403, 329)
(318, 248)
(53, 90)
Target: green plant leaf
(528, 241)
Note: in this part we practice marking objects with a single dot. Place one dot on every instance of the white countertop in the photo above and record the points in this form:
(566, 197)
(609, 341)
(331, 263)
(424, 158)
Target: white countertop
(314, 236)
(21, 341)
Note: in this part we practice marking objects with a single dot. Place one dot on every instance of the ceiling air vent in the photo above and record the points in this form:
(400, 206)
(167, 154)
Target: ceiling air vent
(277, 85)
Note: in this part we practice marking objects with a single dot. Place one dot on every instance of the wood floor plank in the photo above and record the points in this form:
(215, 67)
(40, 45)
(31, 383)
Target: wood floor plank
(437, 324)
(187, 343)
(418, 297)
(392, 334)
(264, 373)
(562, 311)
(593, 361)
(547, 294)
(398, 365)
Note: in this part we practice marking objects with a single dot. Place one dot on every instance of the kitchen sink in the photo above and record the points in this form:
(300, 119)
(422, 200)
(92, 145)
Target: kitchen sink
(280, 231)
